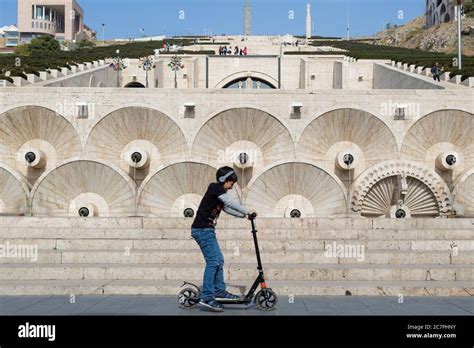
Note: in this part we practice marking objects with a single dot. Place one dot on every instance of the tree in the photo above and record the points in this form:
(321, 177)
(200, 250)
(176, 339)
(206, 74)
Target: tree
(468, 9)
(22, 50)
(44, 43)
(85, 44)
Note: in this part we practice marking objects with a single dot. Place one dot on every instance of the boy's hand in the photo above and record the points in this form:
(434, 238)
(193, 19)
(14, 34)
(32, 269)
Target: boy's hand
(251, 215)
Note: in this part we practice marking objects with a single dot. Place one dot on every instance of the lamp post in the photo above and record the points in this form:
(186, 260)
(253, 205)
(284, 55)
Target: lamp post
(459, 4)
(348, 19)
(118, 66)
(103, 32)
(147, 63)
(175, 65)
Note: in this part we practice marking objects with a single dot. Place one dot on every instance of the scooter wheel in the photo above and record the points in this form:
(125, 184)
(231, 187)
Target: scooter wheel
(188, 298)
(266, 299)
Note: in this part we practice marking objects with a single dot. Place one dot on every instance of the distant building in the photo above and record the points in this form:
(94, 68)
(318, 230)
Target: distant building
(60, 19)
(88, 34)
(9, 36)
(438, 12)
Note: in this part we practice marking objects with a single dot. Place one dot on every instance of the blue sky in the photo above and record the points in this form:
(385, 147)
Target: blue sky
(125, 18)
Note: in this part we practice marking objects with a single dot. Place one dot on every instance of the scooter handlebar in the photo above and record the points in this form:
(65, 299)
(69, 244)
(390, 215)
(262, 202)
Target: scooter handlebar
(252, 216)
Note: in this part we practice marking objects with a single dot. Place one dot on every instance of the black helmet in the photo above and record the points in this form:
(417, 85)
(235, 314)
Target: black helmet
(226, 174)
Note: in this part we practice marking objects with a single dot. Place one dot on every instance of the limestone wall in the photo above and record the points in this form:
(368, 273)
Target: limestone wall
(386, 77)
(290, 72)
(295, 160)
(102, 76)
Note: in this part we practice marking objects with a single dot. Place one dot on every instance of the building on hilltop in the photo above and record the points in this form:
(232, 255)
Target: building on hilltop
(440, 11)
(60, 19)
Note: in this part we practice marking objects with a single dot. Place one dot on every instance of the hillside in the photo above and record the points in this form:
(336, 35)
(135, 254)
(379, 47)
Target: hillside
(441, 38)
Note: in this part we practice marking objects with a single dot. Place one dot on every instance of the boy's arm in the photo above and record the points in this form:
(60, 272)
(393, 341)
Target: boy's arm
(233, 212)
(232, 207)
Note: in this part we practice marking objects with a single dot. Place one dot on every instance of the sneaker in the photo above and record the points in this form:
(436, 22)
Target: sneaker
(211, 305)
(227, 296)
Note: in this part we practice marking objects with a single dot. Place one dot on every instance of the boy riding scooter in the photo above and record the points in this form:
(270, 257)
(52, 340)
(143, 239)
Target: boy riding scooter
(203, 231)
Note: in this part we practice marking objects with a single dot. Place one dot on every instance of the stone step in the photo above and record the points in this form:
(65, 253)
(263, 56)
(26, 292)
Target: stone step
(236, 245)
(289, 256)
(239, 272)
(286, 290)
(229, 222)
(235, 234)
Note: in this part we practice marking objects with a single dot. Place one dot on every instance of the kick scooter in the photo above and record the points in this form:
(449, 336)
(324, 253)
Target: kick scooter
(266, 299)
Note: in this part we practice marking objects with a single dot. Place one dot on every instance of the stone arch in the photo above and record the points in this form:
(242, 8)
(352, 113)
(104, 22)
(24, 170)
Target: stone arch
(443, 9)
(244, 74)
(233, 106)
(384, 199)
(256, 83)
(281, 185)
(92, 81)
(265, 131)
(55, 190)
(14, 192)
(447, 18)
(134, 128)
(37, 129)
(121, 106)
(431, 11)
(463, 194)
(134, 84)
(436, 185)
(438, 132)
(176, 187)
(346, 130)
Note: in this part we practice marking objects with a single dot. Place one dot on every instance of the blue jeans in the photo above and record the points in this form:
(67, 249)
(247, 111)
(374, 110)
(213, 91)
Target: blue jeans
(213, 283)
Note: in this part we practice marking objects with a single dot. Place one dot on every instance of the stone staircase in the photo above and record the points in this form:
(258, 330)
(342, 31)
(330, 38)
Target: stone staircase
(154, 255)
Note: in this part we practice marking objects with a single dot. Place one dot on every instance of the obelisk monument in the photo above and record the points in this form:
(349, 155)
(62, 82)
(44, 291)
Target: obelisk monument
(247, 19)
(309, 33)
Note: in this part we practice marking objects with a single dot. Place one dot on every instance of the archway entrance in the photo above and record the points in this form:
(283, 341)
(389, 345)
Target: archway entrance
(249, 83)
(134, 84)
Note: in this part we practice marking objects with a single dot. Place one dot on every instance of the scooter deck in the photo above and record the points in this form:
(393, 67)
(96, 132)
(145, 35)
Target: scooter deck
(243, 301)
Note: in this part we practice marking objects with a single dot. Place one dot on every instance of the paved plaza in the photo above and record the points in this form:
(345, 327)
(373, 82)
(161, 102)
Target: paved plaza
(304, 305)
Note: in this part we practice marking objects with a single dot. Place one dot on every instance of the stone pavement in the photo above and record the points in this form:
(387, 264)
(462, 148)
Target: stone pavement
(167, 305)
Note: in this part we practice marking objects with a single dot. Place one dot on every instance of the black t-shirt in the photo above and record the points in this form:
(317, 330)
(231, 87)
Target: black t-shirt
(210, 207)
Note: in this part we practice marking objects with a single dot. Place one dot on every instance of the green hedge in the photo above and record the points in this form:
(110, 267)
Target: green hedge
(213, 43)
(210, 52)
(31, 71)
(18, 72)
(409, 56)
(9, 79)
(52, 60)
(465, 73)
(309, 53)
(318, 37)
